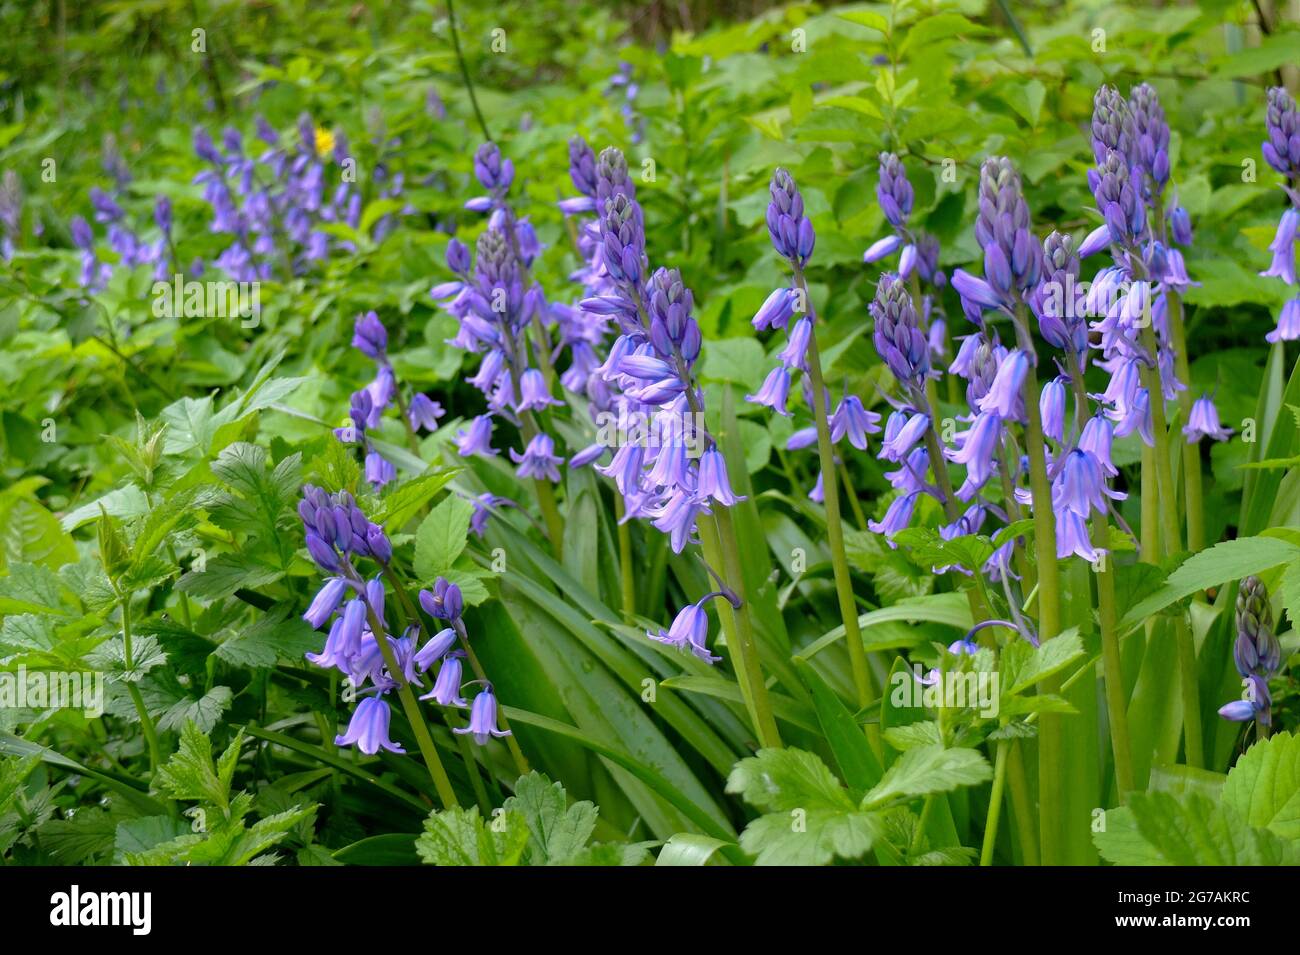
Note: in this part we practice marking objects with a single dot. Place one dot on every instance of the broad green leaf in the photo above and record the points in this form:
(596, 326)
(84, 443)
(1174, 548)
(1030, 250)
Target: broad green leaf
(929, 769)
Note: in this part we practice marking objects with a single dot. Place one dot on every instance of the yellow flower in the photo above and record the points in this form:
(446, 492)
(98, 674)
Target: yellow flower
(324, 142)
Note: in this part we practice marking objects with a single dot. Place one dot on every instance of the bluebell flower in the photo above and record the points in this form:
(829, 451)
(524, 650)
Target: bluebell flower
(1283, 248)
(794, 355)
(424, 412)
(775, 391)
(1288, 323)
(368, 729)
(713, 479)
(482, 718)
(977, 449)
(776, 310)
(477, 439)
(1051, 409)
(897, 516)
(851, 419)
(1004, 397)
(539, 459)
(325, 602)
(902, 432)
(446, 686)
(689, 631)
(444, 601)
(1203, 421)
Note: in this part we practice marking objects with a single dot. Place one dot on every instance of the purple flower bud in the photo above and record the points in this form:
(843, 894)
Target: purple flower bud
(881, 248)
(1282, 148)
(369, 336)
(1180, 224)
(325, 602)
(790, 230)
(1283, 248)
(458, 259)
(894, 192)
(381, 549)
(322, 553)
(435, 649)
(897, 335)
(491, 170)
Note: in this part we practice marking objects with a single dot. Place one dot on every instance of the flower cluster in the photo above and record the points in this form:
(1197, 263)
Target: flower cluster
(1282, 152)
(787, 308)
(272, 206)
(360, 644)
(1256, 654)
(369, 404)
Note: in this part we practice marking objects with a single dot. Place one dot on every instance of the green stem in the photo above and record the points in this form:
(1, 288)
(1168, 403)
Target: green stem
(1191, 451)
(137, 700)
(995, 803)
(1171, 543)
(859, 517)
(1116, 704)
(464, 71)
(1108, 623)
(834, 529)
(1051, 764)
(719, 540)
(627, 580)
(411, 708)
(1023, 805)
(517, 754)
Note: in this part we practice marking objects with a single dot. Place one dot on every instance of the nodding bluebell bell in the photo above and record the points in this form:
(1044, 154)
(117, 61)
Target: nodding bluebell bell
(368, 728)
(447, 684)
(477, 438)
(775, 391)
(483, 718)
(1256, 654)
(690, 629)
(539, 459)
(1204, 422)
